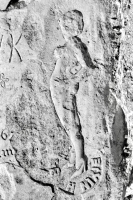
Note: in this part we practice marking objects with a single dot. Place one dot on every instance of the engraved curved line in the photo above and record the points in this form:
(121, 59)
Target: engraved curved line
(4, 135)
(18, 39)
(90, 182)
(66, 191)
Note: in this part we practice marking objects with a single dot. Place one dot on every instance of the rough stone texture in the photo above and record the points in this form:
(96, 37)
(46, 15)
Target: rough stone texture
(4, 4)
(66, 111)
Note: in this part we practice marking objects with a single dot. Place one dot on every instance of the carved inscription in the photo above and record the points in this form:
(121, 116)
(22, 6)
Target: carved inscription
(4, 135)
(71, 187)
(8, 37)
(90, 181)
(3, 80)
(7, 152)
(14, 47)
(70, 66)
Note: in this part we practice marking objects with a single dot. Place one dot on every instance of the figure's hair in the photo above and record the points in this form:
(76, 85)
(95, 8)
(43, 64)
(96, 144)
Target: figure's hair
(77, 16)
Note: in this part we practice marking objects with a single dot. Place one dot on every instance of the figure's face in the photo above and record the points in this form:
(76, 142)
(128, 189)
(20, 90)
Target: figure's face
(72, 23)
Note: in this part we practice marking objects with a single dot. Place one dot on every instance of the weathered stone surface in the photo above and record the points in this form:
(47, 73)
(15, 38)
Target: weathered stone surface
(4, 4)
(66, 100)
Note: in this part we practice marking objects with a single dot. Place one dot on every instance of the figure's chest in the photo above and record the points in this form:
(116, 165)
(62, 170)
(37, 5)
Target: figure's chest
(70, 65)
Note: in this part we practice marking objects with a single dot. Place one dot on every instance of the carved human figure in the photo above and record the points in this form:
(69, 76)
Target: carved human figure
(71, 64)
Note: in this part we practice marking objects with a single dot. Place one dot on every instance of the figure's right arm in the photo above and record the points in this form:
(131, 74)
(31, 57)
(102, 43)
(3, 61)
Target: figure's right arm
(56, 73)
(58, 55)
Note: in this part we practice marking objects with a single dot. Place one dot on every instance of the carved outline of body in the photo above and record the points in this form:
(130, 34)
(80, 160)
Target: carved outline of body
(71, 24)
(74, 130)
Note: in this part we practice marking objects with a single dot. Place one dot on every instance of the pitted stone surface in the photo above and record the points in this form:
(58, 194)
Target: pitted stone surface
(66, 106)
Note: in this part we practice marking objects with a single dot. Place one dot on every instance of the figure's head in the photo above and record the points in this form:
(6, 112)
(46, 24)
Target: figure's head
(72, 23)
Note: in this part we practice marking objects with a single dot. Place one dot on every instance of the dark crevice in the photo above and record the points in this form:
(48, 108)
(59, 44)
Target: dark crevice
(15, 4)
(120, 133)
(114, 18)
(117, 27)
(12, 3)
(43, 184)
(84, 50)
(18, 55)
(67, 192)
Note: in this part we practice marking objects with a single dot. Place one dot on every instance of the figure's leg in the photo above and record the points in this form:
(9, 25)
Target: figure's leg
(57, 94)
(56, 90)
(66, 108)
(73, 128)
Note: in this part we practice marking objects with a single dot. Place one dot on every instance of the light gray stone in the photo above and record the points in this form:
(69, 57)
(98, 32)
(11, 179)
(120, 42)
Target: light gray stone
(4, 4)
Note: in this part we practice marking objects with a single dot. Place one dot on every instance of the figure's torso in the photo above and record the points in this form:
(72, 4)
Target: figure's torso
(70, 69)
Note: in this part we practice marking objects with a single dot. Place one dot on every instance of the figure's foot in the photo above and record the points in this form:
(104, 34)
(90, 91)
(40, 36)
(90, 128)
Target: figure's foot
(81, 167)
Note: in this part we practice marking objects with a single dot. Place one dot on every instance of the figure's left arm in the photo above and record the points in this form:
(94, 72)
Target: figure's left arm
(81, 53)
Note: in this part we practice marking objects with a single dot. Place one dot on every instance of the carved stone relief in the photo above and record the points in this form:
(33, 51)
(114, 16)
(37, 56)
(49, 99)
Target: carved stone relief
(66, 100)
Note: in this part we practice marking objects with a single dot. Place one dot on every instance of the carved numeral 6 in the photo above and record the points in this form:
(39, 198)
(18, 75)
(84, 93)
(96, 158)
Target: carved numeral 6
(4, 134)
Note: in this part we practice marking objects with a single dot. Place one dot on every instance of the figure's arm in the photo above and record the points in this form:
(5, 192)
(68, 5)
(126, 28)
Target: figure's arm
(56, 72)
(81, 52)
(80, 57)
(58, 52)
(76, 46)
